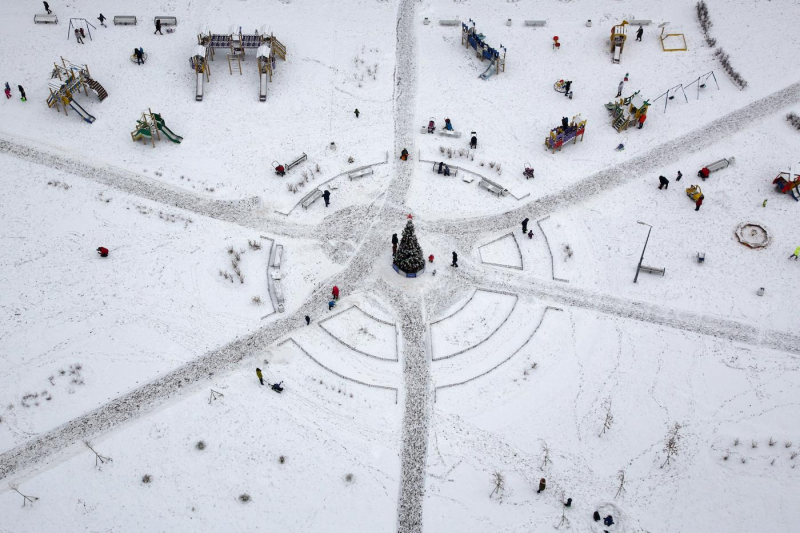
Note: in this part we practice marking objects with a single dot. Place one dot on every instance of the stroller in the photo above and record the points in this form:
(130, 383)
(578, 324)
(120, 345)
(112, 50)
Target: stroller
(431, 126)
(280, 170)
(528, 172)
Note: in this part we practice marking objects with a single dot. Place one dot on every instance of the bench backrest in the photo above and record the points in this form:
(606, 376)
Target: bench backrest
(637, 22)
(449, 22)
(125, 20)
(167, 21)
(45, 19)
(535, 22)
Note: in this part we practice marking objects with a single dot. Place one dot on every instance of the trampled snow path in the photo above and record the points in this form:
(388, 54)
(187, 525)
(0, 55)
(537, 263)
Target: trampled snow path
(631, 309)
(632, 169)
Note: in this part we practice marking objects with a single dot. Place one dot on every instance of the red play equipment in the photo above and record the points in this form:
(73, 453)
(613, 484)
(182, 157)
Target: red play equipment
(788, 182)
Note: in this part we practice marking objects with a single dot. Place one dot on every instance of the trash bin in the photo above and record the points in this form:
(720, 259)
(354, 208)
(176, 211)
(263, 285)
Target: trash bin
(589, 23)
(760, 291)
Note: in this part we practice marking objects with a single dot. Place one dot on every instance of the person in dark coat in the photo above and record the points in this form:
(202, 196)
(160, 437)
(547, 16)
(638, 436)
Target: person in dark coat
(404, 155)
(327, 197)
(699, 202)
(663, 182)
(525, 225)
(542, 485)
(564, 123)
(455, 260)
(441, 164)
(446, 170)
(394, 244)
(260, 375)
(78, 36)
(568, 503)
(47, 8)
(8, 91)
(530, 234)
(596, 516)
(139, 53)
(158, 27)
(619, 88)
(357, 112)
(473, 143)
(22, 93)
(679, 176)
(277, 387)
(567, 87)
(639, 33)
(609, 520)
(102, 19)
(103, 251)
(308, 320)
(83, 34)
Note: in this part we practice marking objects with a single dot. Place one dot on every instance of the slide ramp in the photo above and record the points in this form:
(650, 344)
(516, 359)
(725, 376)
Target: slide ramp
(169, 134)
(262, 90)
(82, 112)
(199, 96)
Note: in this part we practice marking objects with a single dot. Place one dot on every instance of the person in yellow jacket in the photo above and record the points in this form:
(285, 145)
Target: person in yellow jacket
(260, 375)
(795, 254)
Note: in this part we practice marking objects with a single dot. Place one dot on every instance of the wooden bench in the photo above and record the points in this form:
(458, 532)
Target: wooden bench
(449, 22)
(537, 23)
(296, 162)
(124, 20)
(449, 133)
(637, 22)
(45, 19)
(719, 165)
(310, 198)
(453, 169)
(360, 173)
(167, 21)
(276, 256)
(653, 270)
(491, 187)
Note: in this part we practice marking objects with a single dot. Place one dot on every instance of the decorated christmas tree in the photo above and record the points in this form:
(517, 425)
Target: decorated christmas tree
(409, 255)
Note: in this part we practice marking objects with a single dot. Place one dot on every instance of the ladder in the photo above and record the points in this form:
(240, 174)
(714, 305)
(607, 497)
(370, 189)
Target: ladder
(97, 88)
(234, 62)
(278, 47)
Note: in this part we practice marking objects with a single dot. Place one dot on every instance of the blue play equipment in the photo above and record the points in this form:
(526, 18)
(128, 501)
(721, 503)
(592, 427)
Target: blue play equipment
(471, 38)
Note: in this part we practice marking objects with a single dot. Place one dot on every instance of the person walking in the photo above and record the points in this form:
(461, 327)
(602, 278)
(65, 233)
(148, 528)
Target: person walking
(639, 34)
(47, 8)
(441, 166)
(404, 155)
(139, 53)
(158, 27)
(102, 20)
(663, 182)
(8, 91)
(327, 197)
(394, 244)
(78, 36)
(357, 112)
(567, 88)
(619, 88)
(795, 254)
(642, 118)
(22, 93)
(430, 258)
(679, 176)
(455, 260)
(473, 143)
(530, 234)
(699, 202)
(308, 320)
(260, 375)
(525, 225)
(331, 305)
(335, 292)
(542, 485)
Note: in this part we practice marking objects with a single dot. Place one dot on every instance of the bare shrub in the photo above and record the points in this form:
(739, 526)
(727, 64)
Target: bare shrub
(282, 459)
(349, 478)
(256, 300)
(672, 443)
(201, 445)
(244, 497)
(147, 478)
(499, 482)
(254, 245)
(793, 119)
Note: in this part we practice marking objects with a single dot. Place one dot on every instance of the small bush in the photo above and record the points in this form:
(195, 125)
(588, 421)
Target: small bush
(794, 120)
(244, 497)
(147, 478)
(349, 478)
(787, 444)
(754, 444)
(254, 245)
(257, 300)
(771, 441)
(736, 441)
(201, 445)
(351, 160)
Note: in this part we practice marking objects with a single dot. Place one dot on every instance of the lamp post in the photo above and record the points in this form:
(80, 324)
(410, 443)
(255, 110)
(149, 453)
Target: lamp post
(643, 249)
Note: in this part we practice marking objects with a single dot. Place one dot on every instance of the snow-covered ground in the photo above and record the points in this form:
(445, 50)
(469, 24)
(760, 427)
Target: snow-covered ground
(403, 403)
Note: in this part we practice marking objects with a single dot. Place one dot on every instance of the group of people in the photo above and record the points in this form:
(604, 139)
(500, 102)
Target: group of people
(444, 168)
(22, 96)
(277, 387)
(663, 183)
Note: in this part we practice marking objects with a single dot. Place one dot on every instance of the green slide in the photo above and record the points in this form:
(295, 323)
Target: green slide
(168, 133)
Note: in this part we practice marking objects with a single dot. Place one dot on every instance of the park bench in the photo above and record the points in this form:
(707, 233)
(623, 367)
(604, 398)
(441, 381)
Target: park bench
(449, 22)
(296, 162)
(276, 256)
(653, 270)
(536, 23)
(719, 165)
(360, 173)
(637, 22)
(310, 198)
(492, 187)
(124, 20)
(166, 21)
(449, 133)
(453, 169)
(45, 19)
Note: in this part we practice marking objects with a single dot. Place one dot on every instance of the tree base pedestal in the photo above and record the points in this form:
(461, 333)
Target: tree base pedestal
(408, 274)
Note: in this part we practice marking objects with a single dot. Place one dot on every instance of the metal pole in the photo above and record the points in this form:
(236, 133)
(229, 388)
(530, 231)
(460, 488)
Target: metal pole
(643, 249)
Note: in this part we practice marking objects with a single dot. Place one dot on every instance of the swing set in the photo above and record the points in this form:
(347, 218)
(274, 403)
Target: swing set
(77, 26)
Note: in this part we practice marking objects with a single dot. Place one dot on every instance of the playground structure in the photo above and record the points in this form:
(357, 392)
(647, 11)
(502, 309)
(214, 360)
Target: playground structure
(560, 135)
(619, 34)
(150, 125)
(626, 111)
(72, 78)
(678, 40)
(237, 43)
(694, 192)
(470, 37)
(788, 182)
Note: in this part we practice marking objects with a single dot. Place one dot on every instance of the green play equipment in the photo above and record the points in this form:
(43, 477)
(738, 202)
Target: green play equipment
(152, 123)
